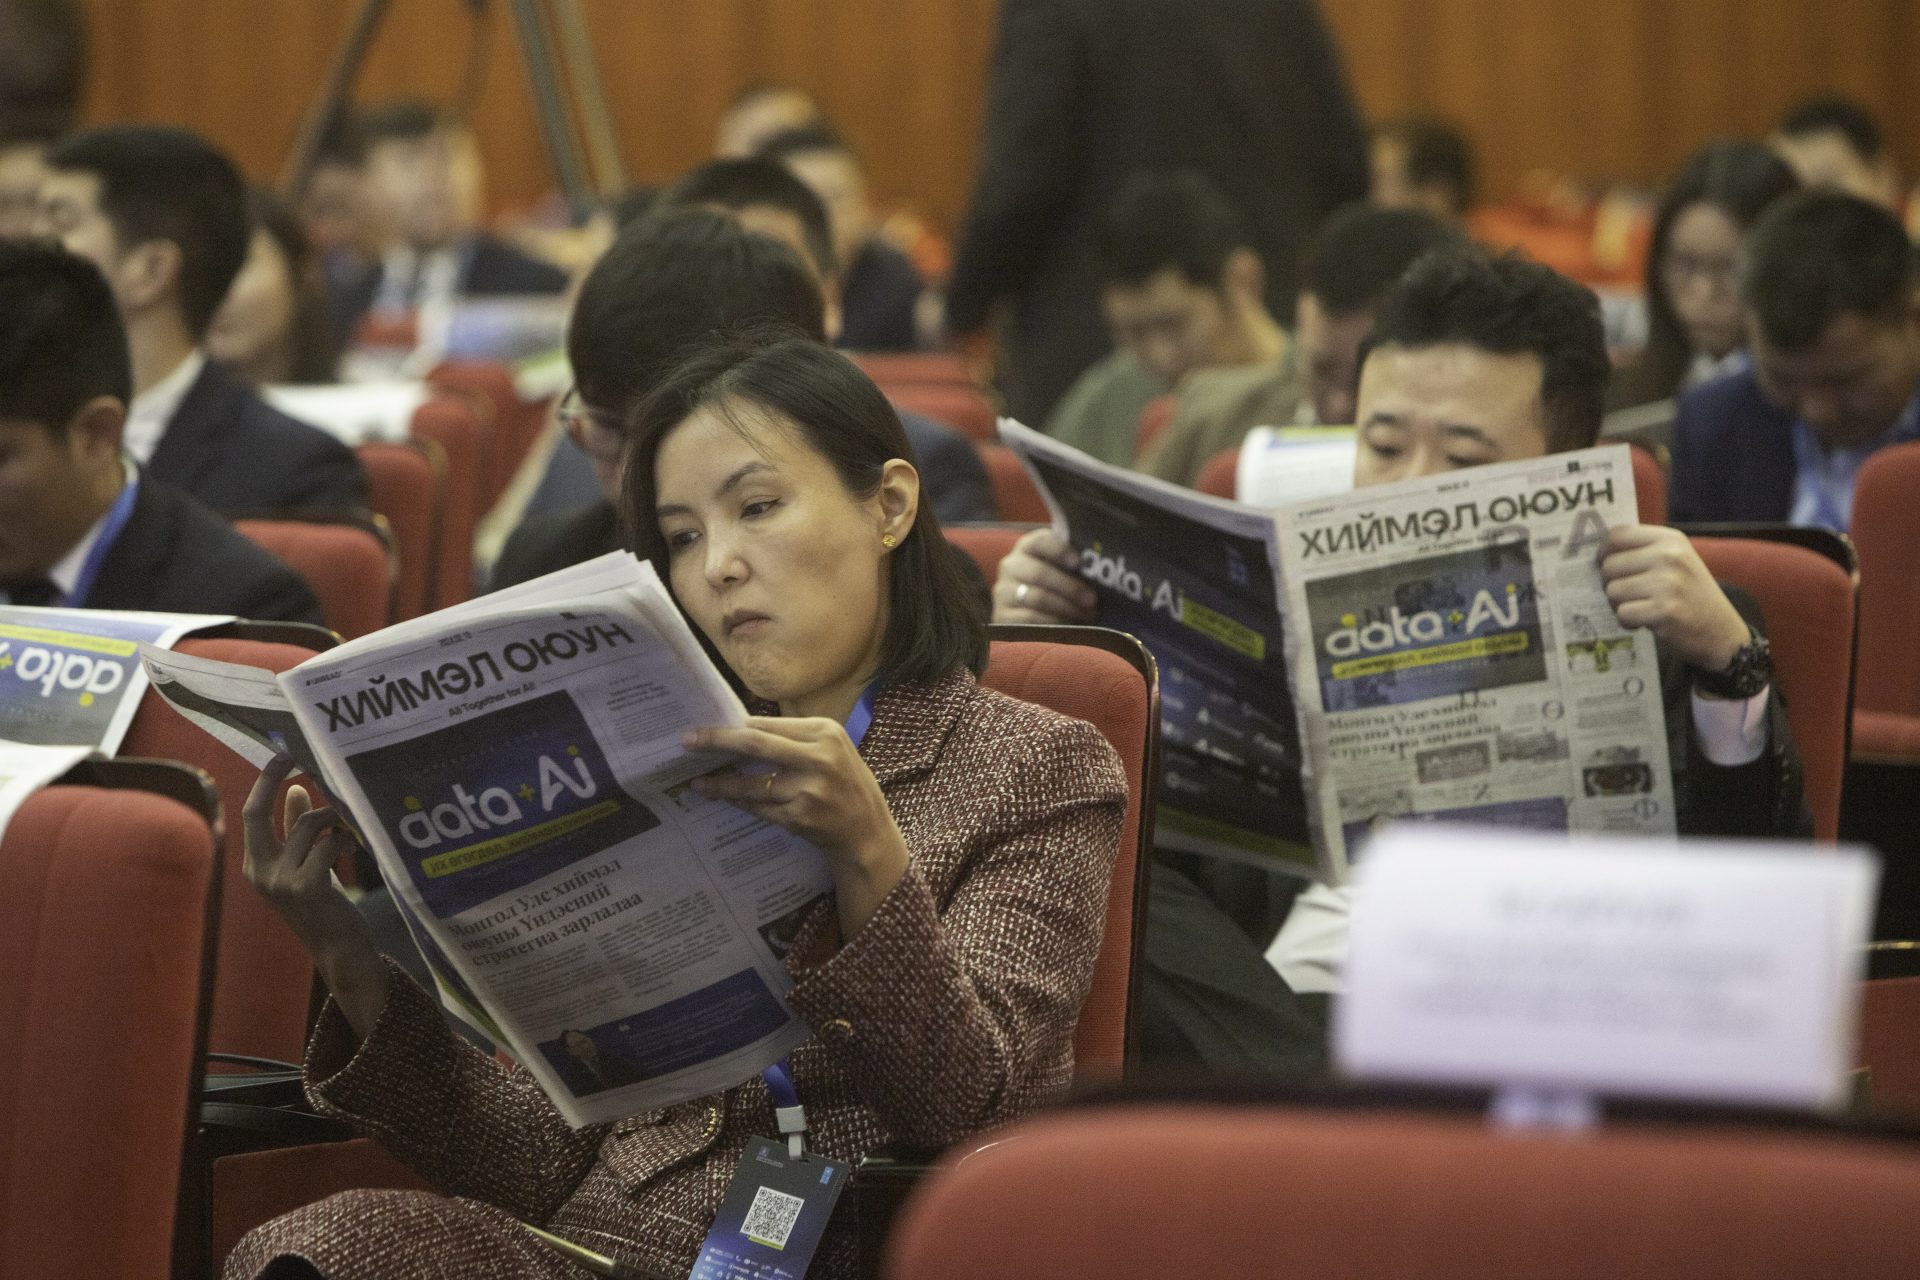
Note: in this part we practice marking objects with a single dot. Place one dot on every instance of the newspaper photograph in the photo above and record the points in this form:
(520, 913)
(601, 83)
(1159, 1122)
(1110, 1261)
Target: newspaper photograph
(514, 765)
(1455, 658)
(73, 677)
(1193, 577)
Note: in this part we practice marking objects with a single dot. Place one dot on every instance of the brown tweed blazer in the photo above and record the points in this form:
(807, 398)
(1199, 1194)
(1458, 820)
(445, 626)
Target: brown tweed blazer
(952, 1010)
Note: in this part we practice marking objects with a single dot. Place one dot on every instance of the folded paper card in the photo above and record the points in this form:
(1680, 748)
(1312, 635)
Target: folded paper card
(1704, 970)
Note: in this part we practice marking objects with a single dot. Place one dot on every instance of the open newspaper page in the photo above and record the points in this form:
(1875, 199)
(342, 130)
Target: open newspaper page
(73, 677)
(1193, 578)
(1454, 656)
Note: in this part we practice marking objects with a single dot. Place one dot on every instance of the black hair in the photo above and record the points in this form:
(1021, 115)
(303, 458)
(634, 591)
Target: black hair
(818, 136)
(633, 204)
(1817, 255)
(61, 340)
(162, 183)
(1507, 305)
(1740, 179)
(937, 616)
(344, 141)
(314, 356)
(1831, 113)
(1180, 221)
(671, 280)
(43, 68)
(742, 184)
(1360, 250)
(404, 120)
(1438, 154)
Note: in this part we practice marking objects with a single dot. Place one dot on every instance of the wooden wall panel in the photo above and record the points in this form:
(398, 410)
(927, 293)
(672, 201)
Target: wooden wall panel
(1610, 89)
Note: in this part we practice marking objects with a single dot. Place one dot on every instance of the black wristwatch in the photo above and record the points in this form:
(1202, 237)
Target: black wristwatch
(1750, 671)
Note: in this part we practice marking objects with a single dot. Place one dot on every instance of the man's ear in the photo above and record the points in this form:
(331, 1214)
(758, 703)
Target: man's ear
(1245, 276)
(148, 274)
(94, 431)
(899, 499)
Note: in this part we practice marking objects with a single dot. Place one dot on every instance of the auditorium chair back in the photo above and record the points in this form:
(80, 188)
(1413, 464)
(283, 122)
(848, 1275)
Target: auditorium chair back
(263, 980)
(1014, 492)
(914, 368)
(1886, 533)
(452, 423)
(962, 408)
(1809, 602)
(1108, 679)
(1221, 475)
(988, 544)
(106, 902)
(405, 480)
(1890, 1042)
(349, 565)
(1155, 417)
(515, 423)
(1114, 1193)
(1649, 485)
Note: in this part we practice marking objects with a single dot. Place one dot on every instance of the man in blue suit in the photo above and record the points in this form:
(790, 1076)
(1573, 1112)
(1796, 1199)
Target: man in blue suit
(1834, 335)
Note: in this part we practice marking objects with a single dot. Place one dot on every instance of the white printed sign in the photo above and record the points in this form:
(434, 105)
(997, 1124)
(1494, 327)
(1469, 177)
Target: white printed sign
(1705, 970)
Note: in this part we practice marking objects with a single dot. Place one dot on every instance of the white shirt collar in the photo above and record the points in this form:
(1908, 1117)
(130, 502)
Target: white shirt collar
(65, 572)
(153, 409)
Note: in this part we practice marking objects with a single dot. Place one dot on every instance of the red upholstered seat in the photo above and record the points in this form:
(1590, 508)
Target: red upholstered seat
(263, 980)
(1886, 532)
(1649, 486)
(1890, 1042)
(451, 423)
(988, 544)
(1154, 419)
(104, 910)
(1114, 1193)
(405, 480)
(347, 565)
(1808, 601)
(1107, 679)
(907, 368)
(1221, 475)
(1014, 492)
(961, 407)
(513, 423)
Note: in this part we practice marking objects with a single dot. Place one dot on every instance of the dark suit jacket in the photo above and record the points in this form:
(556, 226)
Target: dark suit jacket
(553, 540)
(1732, 454)
(491, 268)
(176, 556)
(877, 300)
(1084, 92)
(235, 452)
(950, 468)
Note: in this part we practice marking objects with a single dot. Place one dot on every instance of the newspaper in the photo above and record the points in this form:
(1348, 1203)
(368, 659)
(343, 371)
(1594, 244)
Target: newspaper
(514, 765)
(1454, 656)
(1282, 465)
(1441, 649)
(73, 677)
(1193, 578)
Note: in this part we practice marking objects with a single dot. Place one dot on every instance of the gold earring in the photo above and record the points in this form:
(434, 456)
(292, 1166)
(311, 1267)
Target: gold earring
(886, 540)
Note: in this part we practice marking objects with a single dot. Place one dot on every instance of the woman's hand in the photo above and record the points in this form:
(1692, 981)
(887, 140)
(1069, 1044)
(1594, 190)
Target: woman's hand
(295, 876)
(1039, 581)
(821, 790)
(1655, 579)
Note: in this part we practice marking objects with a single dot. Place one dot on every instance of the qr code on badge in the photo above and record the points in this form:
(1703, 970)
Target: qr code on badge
(771, 1217)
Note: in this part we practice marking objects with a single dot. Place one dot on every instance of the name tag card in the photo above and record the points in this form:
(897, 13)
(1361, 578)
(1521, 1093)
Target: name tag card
(1710, 971)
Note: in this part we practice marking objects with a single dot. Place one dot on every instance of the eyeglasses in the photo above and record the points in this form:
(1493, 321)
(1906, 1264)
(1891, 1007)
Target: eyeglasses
(598, 433)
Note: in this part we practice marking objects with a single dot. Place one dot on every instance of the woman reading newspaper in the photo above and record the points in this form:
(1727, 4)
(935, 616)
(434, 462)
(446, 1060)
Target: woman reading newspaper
(969, 836)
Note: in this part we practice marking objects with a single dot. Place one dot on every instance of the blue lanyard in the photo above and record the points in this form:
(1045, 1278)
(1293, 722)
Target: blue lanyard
(779, 1076)
(110, 527)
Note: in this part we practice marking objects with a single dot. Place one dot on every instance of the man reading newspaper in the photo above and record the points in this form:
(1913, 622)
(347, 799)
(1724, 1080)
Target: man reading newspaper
(1472, 360)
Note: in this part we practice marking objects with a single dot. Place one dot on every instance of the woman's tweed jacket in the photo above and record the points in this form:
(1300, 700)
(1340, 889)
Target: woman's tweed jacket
(951, 1011)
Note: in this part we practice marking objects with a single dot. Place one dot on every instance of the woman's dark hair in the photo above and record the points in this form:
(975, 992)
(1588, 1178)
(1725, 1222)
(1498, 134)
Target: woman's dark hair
(312, 354)
(936, 619)
(1738, 178)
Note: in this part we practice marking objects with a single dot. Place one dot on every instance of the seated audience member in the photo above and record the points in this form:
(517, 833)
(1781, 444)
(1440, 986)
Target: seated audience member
(272, 327)
(1694, 330)
(1421, 163)
(1833, 143)
(423, 184)
(1355, 256)
(80, 526)
(1828, 299)
(164, 216)
(1475, 360)
(670, 280)
(880, 288)
(970, 838)
(1182, 289)
(757, 113)
(43, 64)
(335, 212)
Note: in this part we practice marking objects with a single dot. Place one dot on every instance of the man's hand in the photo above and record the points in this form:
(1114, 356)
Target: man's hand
(1039, 581)
(1655, 579)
